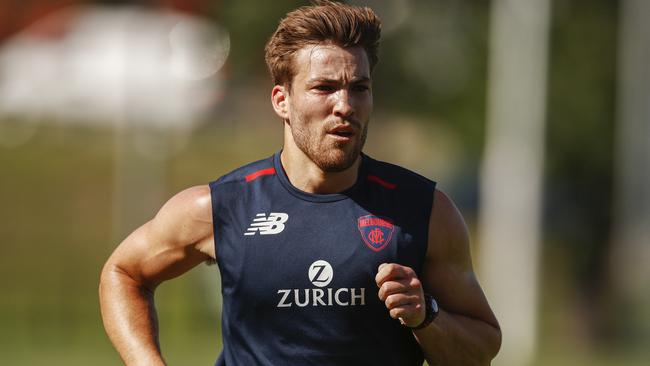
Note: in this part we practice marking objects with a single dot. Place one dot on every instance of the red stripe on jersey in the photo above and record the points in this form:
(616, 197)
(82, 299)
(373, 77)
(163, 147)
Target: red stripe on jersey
(259, 173)
(381, 182)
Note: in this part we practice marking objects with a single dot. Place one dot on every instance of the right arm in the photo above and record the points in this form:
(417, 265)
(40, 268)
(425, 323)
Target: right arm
(177, 239)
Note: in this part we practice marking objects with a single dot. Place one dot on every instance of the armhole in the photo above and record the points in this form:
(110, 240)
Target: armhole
(215, 219)
(429, 211)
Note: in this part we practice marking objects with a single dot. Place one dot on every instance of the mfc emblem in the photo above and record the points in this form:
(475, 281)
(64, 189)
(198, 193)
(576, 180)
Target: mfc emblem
(375, 231)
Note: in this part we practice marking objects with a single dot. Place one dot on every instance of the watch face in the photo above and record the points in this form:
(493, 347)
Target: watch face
(434, 305)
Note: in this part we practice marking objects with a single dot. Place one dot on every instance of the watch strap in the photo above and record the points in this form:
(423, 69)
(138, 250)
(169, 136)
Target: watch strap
(430, 313)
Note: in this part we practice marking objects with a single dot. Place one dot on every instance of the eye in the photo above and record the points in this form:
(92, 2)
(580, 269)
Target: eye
(360, 88)
(325, 88)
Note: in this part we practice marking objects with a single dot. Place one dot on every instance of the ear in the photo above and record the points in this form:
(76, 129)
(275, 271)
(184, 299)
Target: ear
(280, 101)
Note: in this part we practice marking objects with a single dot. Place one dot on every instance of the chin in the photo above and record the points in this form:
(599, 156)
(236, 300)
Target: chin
(336, 160)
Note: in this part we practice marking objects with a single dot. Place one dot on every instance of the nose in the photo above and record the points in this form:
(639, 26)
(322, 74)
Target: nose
(343, 105)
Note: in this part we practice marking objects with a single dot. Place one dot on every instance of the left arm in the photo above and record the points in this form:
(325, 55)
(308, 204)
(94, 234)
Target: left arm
(465, 332)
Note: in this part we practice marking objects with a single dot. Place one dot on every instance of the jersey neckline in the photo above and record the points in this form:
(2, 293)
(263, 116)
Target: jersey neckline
(314, 197)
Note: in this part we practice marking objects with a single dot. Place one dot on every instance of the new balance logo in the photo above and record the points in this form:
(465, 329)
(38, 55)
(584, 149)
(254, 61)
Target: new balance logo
(273, 224)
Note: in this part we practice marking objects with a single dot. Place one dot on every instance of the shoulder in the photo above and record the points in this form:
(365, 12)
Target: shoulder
(246, 173)
(448, 234)
(186, 217)
(444, 211)
(396, 177)
(229, 189)
(192, 203)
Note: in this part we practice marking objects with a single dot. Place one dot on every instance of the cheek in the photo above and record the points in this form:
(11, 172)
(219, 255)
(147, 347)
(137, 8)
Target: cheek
(363, 103)
(369, 106)
(312, 106)
(368, 102)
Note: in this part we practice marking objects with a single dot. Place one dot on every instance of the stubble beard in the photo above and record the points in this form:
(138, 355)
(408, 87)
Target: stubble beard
(331, 157)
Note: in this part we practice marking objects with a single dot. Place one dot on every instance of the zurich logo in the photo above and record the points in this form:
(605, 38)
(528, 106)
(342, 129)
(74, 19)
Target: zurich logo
(320, 273)
(375, 231)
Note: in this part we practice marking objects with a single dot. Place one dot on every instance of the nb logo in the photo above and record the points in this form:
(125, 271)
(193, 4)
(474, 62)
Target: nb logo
(273, 224)
(320, 273)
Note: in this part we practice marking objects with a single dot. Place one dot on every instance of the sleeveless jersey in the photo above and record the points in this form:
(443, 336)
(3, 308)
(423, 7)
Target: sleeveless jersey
(298, 269)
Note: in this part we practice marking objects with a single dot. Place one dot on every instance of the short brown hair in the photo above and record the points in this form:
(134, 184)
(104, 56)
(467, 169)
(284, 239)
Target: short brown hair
(322, 22)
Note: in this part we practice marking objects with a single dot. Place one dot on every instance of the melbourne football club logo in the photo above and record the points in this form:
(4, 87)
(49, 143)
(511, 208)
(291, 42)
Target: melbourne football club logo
(375, 231)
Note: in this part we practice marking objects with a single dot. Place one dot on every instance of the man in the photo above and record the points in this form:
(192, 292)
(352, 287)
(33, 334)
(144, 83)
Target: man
(327, 256)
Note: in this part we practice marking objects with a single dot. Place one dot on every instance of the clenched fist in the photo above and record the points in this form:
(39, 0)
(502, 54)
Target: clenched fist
(401, 291)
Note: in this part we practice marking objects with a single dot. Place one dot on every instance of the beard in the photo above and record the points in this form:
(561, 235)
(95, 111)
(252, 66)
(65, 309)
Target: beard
(330, 156)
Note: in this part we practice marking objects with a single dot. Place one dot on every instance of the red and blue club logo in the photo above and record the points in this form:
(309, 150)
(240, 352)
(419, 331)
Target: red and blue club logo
(375, 231)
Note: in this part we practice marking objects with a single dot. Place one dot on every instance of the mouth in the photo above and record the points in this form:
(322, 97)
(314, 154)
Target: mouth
(342, 133)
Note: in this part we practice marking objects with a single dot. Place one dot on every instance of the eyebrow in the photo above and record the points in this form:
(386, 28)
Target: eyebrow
(328, 80)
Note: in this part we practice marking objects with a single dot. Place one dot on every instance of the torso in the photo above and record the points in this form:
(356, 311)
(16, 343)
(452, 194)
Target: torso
(298, 269)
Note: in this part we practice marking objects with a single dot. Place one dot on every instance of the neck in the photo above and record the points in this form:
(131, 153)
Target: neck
(308, 177)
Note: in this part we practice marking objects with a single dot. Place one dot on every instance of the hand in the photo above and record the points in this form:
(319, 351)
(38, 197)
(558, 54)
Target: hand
(401, 291)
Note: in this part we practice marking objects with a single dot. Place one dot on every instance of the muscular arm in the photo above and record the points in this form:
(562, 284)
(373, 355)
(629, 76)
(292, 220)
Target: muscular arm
(465, 331)
(178, 238)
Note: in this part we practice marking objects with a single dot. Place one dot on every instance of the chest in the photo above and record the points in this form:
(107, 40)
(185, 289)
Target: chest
(287, 253)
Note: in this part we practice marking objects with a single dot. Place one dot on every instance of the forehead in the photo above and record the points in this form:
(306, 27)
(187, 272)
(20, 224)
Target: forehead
(332, 62)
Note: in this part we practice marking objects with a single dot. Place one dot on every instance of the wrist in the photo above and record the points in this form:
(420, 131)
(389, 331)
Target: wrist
(431, 311)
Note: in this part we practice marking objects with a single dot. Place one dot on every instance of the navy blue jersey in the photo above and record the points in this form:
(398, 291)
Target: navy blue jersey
(298, 269)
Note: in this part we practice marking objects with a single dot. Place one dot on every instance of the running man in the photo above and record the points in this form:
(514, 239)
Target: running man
(327, 256)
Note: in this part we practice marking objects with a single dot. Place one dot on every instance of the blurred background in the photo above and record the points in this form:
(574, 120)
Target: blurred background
(531, 114)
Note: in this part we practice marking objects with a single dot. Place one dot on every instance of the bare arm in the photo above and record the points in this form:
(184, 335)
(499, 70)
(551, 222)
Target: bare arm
(177, 239)
(465, 331)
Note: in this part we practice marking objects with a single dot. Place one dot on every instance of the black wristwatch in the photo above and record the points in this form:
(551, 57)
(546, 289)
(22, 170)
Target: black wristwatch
(431, 311)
